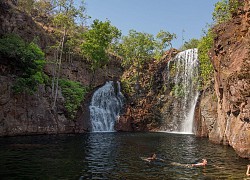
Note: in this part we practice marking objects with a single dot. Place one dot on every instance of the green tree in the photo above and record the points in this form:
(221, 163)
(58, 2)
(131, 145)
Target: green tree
(137, 48)
(97, 41)
(27, 59)
(204, 46)
(65, 18)
(224, 10)
(164, 40)
(192, 43)
(74, 94)
(26, 5)
(43, 9)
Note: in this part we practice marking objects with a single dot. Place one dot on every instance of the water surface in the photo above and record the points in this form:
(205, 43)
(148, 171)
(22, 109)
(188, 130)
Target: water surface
(116, 156)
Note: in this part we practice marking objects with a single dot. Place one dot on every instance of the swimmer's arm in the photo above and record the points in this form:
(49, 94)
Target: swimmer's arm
(248, 168)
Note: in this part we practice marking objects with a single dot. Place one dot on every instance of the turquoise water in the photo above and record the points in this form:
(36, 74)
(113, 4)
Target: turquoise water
(116, 156)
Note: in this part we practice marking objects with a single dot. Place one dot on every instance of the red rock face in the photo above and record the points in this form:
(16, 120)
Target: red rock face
(231, 61)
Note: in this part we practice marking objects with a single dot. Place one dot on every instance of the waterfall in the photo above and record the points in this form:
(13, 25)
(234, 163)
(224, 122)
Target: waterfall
(183, 73)
(105, 106)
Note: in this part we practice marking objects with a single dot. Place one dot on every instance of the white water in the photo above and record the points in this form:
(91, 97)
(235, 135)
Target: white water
(184, 80)
(105, 107)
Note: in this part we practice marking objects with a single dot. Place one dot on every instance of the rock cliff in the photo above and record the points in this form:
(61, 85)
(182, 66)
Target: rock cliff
(24, 114)
(230, 56)
(145, 111)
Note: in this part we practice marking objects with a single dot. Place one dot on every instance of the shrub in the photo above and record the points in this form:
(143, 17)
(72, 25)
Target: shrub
(192, 43)
(27, 58)
(74, 93)
(206, 67)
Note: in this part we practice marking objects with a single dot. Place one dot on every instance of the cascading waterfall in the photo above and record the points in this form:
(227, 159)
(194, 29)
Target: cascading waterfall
(182, 72)
(105, 106)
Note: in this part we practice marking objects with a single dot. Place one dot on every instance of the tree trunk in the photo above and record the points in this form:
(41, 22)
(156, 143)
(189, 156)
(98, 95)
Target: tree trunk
(55, 70)
(59, 68)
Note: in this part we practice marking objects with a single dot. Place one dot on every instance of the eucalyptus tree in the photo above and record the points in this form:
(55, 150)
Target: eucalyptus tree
(206, 68)
(135, 49)
(138, 47)
(164, 40)
(224, 10)
(65, 19)
(26, 5)
(97, 41)
(192, 43)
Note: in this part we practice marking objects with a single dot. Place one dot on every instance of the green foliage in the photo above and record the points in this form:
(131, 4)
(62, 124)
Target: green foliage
(97, 41)
(43, 7)
(165, 38)
(192, 43)
(204, 46)
(66, 14)
(26, 5)
(74, 93)
(136, 48)
(30, 84)
(178, 91)
(224, 10)
(128, 84)
(27, 58)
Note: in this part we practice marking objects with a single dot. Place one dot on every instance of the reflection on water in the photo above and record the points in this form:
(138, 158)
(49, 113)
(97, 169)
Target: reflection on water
(116, 156)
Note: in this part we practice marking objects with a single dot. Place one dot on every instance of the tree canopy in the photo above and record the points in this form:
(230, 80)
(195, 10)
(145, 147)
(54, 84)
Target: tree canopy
(224, 9)
(192, 43)
(204, 46)
(139, 47)
(97, 41)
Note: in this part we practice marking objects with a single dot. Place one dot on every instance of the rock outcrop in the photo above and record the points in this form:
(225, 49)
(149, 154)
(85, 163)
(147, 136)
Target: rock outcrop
(25, 114)
(14, 21)
(143, 111)
(230, 56)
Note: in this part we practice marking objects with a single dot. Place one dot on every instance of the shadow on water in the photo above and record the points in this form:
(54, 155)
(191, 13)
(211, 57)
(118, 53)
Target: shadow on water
(116, 156)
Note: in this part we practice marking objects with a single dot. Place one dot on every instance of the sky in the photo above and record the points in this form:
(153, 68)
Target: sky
(185, 18)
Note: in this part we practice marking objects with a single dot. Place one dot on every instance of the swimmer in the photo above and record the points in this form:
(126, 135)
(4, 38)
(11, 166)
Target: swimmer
(153, 158)
(203, 163)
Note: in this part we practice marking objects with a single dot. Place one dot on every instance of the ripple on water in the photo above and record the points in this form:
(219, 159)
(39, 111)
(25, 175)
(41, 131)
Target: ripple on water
(116, 156)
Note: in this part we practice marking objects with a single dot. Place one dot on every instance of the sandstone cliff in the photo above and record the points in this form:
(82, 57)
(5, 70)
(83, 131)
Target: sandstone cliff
(228, 122)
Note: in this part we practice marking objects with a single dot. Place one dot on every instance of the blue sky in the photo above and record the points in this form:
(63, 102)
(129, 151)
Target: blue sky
(151, 16)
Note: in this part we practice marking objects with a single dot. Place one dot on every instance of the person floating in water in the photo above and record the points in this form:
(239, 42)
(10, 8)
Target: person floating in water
(203, 163)
(153, 157)
(248, 169)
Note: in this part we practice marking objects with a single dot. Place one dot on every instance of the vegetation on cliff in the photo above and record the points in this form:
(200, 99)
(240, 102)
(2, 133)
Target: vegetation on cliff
(74, 94)
(27, 60)
(137, 49)
(206, 68)
(224, 10)
(192, 43)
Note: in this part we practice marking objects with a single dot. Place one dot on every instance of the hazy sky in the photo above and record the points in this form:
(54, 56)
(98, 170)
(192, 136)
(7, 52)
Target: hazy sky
(151, 16)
